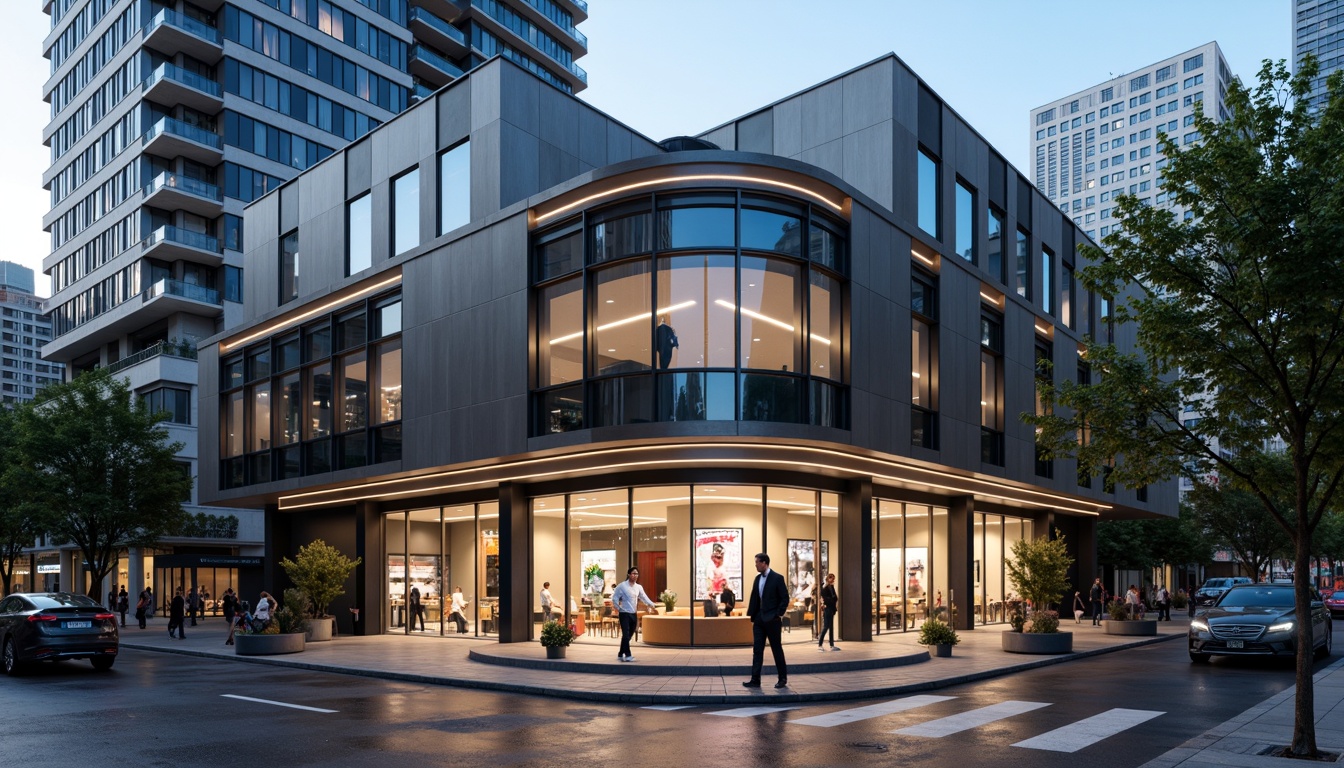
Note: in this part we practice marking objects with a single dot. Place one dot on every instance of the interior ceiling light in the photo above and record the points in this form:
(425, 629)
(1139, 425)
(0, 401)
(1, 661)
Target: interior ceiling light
(626, 321)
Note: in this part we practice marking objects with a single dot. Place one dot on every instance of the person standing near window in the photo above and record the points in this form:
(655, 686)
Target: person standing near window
(547, 603)
(459, 610)
(830, 600)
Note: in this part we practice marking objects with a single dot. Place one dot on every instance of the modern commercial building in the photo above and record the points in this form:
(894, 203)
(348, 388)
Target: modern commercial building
(1098, 143)
(168, 116)
(1318, 29)
(23, 331)
(530, 345)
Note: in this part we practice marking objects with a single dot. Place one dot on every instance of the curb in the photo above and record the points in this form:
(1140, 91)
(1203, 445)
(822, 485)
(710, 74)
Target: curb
(654, 698)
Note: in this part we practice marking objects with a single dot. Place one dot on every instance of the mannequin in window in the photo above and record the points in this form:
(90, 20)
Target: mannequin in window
(665, 340)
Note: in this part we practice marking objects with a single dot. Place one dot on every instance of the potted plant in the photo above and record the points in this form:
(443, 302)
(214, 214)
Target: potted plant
(939, 636)
(669, 599)
(1121, 623)
(283, 634)
(1038, 572)
(555, 638)
(594, 581)
(320, 570)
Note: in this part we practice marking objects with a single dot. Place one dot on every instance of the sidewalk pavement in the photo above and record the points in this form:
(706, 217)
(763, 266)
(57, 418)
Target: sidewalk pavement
(893, 664)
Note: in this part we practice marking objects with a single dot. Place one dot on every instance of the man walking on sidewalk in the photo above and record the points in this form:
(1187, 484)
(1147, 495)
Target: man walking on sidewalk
(1096, 596)
(769, 601)
(625, 600)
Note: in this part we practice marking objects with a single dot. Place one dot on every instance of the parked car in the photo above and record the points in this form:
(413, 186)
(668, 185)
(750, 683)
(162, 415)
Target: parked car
(1334, 602)
(1257, 619)
(1214, 588)
(51, 626)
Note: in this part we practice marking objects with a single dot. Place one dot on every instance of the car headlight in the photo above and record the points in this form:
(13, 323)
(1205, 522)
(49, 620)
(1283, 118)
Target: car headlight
(1284, 627)
(1199, 625)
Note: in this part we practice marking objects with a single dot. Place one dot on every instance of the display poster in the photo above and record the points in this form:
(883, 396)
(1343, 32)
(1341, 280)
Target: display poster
(598, 567)
(803, 574)
(718, 562)
(915, 578)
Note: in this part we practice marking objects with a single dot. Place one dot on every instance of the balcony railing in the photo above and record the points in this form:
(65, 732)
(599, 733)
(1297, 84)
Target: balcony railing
(175, 127)
(179, 75)
(185, 23)
(184, 351)
(569, 29)
(444, 28)
(182, 237)
(420, 91)
(433, 59)
(191, 186)
(184, 290)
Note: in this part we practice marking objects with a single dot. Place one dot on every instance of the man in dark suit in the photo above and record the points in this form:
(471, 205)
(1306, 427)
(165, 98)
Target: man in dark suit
(766, 607)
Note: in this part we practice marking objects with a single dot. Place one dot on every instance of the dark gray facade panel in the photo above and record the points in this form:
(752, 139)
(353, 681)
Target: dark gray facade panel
(559, 121)
(486, 171)
(930, 120)
(867, 96)
(509, 265)
(756, 133)
(592, 149)
(829, 156)
(380, 222)
(823, 114)
(905, 178)
(555, 165)
(289, 208)
(323, 234)
(867, 162)
(788, 125)
(519, 177)
(905, 98)
(263, 223)
(724, 138)
(520, 100)
(454, 111)
(403, 143)
(998, 181)
(619, 143)
(485, 97)
(358, 168)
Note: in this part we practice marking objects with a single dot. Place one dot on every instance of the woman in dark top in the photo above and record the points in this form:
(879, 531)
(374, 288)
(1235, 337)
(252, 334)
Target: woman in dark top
(829, 602)
(177, 614)
(728, 599)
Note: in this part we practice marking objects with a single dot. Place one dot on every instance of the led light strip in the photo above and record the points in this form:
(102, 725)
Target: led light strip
(229, 345)
(1050, 499)
(696, 177)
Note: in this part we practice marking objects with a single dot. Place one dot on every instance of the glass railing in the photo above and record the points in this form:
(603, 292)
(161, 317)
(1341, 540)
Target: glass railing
(569, 28)
(184, 351)
(190, 186)
(176, 127)
(184, 290)
(580, 4)
(578, 71)
(185, 23)
(182, 76)
(443, 27)
(435, 60)
(420, 92)
(182, 237)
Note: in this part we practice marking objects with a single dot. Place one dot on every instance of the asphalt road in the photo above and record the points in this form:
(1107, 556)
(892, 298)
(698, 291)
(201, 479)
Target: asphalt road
(1117, 710)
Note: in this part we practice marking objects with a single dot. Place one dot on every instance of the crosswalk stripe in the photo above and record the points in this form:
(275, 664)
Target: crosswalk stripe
(750, 711)
(965, 721)
(668, 707)
(856, 714)
(1085, 733)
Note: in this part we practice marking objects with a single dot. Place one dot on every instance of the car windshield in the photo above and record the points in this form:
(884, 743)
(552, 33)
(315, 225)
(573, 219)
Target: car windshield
(1257, 597)
(1215, 583)
(61, 600)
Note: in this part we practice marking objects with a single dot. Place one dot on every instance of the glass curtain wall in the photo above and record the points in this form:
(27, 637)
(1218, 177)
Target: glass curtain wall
(909, 566)
(994, 538)
(428, 551)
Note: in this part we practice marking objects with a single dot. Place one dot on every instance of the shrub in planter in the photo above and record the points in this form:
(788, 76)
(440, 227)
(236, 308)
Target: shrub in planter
(555, 637)
(937, 632)
(1039, 571)
(289, 617)
(320, 570)
(1118, 611)
(1179, 601)
(1042, 622)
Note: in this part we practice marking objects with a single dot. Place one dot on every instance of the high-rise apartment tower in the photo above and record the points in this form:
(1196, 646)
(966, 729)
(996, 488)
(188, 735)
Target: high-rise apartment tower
(1318, 29)
(23, 331)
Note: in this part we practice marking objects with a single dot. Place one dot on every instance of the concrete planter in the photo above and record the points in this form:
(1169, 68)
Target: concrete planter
(555, 651)
(1131, 628)
(941, 650)
(267, 645)
(320, 630)
(1034, 642)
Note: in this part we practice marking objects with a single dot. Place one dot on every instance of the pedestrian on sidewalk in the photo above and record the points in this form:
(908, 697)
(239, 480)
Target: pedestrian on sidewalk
(769, 600)
(263, 612)
(1098, 599)
(177, 610)
(459, 610)
(830, 601)
(1163, 603)
(230, 605)
(193, 605)
(142, 609)
(149, 602)
(123, 605)
(1078, 609)
(417, 610)
(112, 598)
(625, 600)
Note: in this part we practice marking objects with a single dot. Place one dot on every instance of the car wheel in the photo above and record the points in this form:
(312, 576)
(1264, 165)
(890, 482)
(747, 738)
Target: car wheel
(13, 666)
(103, 663)
(1199, 658)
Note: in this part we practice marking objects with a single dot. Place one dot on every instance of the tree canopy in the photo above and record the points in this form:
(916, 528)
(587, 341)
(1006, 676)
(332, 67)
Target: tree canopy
(97, 469)
(1240, 315)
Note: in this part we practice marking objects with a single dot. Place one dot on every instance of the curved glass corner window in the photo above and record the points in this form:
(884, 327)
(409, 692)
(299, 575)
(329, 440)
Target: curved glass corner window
(405, 212)
(825, 247)
(359, 234)
(622, 400)
(560, 333)
(616, 238)
(928, 193)
(823, 336)
(698, 396)
(623, 318)
(560, 256)
(769, 319)
(770, 398)
(695, 328)
(455, 187)
(697, 228)
(769, 231)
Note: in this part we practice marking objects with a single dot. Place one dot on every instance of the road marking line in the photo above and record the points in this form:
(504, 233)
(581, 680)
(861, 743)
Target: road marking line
(277, 703)
(965, 721)
(750, 711)
(832, 719)
(669, 707)
(1085, 733)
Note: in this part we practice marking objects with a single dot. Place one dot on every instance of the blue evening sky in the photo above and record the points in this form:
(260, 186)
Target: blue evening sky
(682, 66)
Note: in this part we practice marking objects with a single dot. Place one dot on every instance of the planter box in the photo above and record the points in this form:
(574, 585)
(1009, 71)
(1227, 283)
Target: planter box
(267, 645)
(942, 651)
(1132, 627)
(1033, 642)
(555, 651)
(320, 630)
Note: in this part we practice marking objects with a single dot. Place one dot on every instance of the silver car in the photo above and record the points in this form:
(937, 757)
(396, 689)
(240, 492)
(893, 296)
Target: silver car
(1257, 619)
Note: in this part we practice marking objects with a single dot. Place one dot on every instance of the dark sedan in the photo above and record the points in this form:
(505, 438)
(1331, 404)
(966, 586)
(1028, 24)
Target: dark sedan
(1257, 619)
(51, 626)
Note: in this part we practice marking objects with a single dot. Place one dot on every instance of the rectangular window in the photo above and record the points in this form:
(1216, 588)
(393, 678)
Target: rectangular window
(994, 249)
(1138, 83)
(991, 388)
(455, 187)
(1022, 282)
(1047, 267)
(1069, 290)
(174, 402)
(359, 234)
(928, 193)
(923, 362)
(965, 222)
(289, 267)
(1044, 379)
(1193, 63)
(405, 212)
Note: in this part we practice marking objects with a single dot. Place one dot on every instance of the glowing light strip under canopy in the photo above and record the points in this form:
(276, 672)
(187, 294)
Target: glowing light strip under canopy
(838, 208)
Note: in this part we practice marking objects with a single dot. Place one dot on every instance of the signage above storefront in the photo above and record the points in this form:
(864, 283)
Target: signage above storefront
(49, 568)
(230, 561)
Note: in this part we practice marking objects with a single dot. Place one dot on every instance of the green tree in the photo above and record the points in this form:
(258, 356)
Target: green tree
(1039, 570)
(100, 470)
(320, 570)
(19, 524)
(1240, 315)
(1238, 520)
